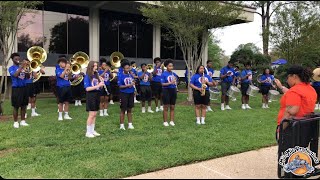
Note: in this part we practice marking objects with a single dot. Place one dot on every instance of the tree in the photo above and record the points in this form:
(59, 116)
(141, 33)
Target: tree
(188, 22)
(11, 13)
(215, 53)
(25, 42)
(268, 8)
(295, 34)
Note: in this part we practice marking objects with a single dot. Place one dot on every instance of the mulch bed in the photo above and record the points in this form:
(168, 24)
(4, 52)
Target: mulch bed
(5, 118)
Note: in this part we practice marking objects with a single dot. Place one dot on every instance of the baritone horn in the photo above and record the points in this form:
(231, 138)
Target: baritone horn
(78, 61)
(36, 55)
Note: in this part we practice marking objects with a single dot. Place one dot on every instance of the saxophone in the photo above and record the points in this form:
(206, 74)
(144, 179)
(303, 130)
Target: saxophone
(203, 86)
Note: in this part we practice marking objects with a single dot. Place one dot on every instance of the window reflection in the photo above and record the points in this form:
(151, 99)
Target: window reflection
(126, 33)
(169, 47)
(58, 28)
(30, 31)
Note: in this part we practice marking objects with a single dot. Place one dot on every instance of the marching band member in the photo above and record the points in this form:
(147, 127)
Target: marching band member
(105, 73)
(169, 90)
(266, 82)
(246, 80)
(92, 84)
(227, 79)
(199, 79)
(156, 84)
(32, 91)
(77, 90)
(135, 75)
(19, 97)
(126, 83)
(316, 86)
(63, 87)
(209, 71)
(145, 89)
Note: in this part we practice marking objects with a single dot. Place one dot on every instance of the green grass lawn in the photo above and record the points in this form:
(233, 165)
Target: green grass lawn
(52, 149)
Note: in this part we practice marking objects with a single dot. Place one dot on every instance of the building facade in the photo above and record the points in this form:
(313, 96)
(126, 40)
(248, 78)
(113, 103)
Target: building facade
(99, 28)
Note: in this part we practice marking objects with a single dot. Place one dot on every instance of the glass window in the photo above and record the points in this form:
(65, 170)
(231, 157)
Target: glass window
(78, 33)
(126, 33)
(167, 45)
(30, 31)
(127, 38)
(144, 40)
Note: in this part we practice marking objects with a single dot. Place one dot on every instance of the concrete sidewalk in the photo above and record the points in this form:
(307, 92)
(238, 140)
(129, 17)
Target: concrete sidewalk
(260, 163)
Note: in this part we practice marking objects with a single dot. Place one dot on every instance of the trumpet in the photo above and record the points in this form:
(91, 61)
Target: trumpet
(203, 86)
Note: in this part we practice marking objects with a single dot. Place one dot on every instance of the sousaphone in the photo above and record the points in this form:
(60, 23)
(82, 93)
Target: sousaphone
(115, 59)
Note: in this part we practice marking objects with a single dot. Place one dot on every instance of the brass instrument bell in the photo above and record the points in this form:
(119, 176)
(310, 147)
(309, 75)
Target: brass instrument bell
(316, 74)
(115, 59)
(150, 68)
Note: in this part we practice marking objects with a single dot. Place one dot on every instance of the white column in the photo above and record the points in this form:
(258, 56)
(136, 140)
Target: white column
(94, 34)
(156, 41)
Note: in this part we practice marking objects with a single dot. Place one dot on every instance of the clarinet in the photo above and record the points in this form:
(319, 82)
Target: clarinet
(104, 86)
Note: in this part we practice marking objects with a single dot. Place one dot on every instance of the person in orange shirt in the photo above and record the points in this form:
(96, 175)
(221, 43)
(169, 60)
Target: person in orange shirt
(299, 100)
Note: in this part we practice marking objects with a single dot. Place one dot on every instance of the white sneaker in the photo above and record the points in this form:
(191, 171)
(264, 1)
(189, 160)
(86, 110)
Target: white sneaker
(267, 106)
(16, 125)
(23, 123)
(228, 107)
(34, 114)
(209, 108)
(111, 102)
(25, 116)
(143, 110)
(243, 107)
(130, 126)
(172, 123)
(79, 103)
(122, 128)
(101, 114)
(29, 106)
(161, 108)
(76, 103)
(202, 122)
(222, 108)
(106, 114)
(263, 106)
(248, 107)
(95, 133)
(316, 107)
(150, 111)
(269, 101)
(67, 117)
(198, 122)
(136, 102)
(157, 109)
(89, 135)
(60, 119)
(166, 124)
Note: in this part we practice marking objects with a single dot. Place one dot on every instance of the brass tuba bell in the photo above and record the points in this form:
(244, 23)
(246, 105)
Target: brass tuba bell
(150, 68)
(78, 61)
(37, 53)
(115, 59)
(81, 58)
